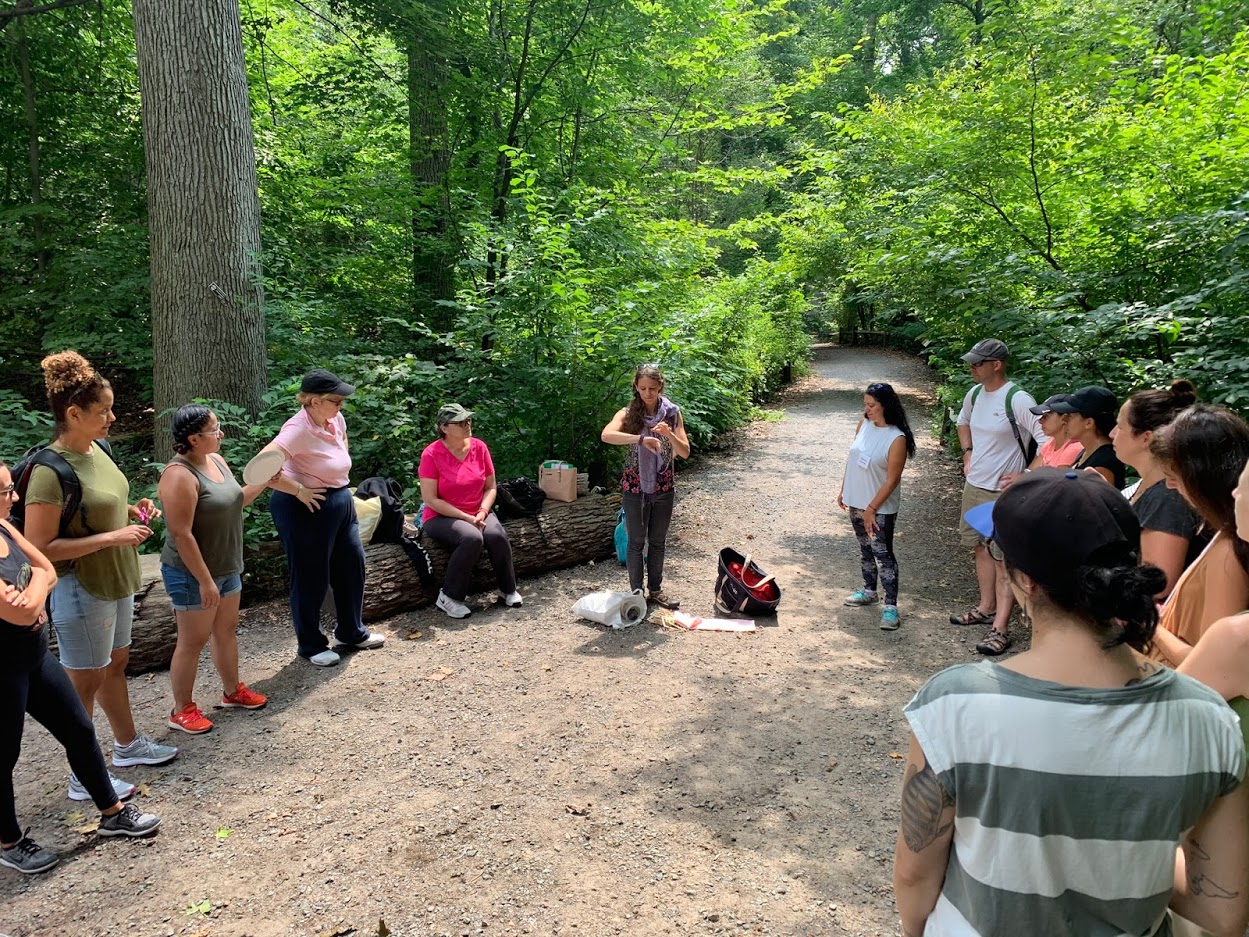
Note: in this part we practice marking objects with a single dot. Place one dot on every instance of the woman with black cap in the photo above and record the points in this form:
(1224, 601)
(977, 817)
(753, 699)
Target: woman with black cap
(458, 488)
(313, 512)
(1046, 794)
(1093, 412)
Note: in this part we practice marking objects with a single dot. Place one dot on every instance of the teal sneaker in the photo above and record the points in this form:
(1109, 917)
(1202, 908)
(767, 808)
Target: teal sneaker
(862, 597)
(889, 619)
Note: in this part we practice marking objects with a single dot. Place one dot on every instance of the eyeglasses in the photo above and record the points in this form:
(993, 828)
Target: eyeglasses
(218, 433)
(995, 550)
(468, 422)
(5, 492)
(338, 403)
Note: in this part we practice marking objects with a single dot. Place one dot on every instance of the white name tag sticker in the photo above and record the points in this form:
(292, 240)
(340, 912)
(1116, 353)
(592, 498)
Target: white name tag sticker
(865, 460)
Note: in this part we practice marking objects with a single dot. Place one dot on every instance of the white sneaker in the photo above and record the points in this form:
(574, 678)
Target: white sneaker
(453, 608)
(373, 640)
(123, 789)
(513, 600)
(326, 658)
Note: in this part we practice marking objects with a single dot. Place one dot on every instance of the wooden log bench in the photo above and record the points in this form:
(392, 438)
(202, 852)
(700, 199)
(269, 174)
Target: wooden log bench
(563, 535)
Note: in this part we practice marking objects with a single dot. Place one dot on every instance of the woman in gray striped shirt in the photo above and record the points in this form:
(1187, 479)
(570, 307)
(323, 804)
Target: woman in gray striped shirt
(1047, 794)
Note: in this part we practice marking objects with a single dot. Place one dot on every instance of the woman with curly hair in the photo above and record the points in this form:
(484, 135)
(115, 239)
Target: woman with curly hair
(652, 428)
(202, 563)
(1201, 454)
(883, 441)
(94, 552)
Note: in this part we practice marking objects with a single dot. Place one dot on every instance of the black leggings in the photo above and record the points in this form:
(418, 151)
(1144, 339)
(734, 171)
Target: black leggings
(45, 692)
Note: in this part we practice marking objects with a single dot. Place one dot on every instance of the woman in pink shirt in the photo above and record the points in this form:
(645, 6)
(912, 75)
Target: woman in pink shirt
(313, 511)
(457, 486)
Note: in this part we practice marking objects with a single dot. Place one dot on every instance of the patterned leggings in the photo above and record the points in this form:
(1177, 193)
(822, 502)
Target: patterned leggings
(875, 550)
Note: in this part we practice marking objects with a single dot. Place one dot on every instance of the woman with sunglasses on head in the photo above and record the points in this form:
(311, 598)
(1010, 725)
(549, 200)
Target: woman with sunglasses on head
(202, 563)
(1047, 794)
(883, 441)
(315, 516)
(96, 558)
(1171, 531)
(652, 427)
(32, 682)
(1201, 454)
(458, 488)
(1091, 413)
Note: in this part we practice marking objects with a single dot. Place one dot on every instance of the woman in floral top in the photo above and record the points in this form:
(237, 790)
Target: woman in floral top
(652, 428)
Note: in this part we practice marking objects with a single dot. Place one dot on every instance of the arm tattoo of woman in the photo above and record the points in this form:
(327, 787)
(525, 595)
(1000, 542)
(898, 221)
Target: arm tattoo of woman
(923, 800)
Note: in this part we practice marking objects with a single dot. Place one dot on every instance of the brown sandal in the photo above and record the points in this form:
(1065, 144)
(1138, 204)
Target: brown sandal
(994, 643)
(973, 616)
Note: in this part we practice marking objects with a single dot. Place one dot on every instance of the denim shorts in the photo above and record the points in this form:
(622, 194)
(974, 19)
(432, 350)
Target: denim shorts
(183, 588)
(88, 629)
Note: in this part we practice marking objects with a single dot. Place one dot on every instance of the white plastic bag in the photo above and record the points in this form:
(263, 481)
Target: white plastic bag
(614, 609)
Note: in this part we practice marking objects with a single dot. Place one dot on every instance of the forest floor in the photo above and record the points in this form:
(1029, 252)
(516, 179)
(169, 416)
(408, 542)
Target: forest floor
(522, 772)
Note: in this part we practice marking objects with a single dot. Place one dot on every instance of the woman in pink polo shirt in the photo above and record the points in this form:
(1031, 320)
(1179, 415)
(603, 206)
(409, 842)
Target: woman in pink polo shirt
(457, 486)
(313, 512)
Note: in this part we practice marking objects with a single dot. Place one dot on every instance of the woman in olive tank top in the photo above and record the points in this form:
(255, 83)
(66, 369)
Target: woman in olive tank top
(202, 564)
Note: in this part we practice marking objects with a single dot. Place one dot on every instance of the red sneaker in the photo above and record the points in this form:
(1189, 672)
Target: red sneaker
(190, 720)
(243, 698)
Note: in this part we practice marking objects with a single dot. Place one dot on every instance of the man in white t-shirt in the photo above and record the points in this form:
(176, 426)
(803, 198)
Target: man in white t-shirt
(993, 449)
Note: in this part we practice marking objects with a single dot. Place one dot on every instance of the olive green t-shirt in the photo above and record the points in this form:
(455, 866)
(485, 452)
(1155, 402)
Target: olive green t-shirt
(111, 572)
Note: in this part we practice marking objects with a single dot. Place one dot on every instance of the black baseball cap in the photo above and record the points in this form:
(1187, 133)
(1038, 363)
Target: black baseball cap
(1091, 401)
(322, 381)
(1047, 405)
(987, 349)
(1050, 522)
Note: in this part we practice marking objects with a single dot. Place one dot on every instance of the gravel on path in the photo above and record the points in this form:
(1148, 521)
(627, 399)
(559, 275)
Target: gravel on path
(521, 772)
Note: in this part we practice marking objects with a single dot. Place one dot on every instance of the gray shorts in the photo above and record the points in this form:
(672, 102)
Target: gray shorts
(88, 629)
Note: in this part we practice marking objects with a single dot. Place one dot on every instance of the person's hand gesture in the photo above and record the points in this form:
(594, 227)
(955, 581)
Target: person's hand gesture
(143, 511)
(310, 498)
(841, 504)
(209, 594)
(129, 536)
(654, 445)
(663, 429)
(479, 519)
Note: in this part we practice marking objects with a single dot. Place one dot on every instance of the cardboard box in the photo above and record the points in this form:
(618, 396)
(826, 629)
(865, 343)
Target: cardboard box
(558, 480)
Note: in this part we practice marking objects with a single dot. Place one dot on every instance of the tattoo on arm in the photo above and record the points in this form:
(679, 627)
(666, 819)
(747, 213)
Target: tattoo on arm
(923, 800)
(1198, 882)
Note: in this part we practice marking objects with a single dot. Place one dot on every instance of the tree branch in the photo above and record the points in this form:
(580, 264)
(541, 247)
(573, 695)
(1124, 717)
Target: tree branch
(12, 13)
(355, 44)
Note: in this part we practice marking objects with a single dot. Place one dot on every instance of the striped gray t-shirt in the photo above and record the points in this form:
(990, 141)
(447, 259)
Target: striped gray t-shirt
(1069, 801)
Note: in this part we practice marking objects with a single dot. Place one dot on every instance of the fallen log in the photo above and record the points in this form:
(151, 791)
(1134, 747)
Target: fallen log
(562, 535)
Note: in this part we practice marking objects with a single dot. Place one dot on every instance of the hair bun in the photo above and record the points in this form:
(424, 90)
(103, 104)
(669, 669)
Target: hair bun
(1183, 392)
(66, 371)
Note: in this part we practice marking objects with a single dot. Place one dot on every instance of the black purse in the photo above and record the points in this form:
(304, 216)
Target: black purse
(734, 597)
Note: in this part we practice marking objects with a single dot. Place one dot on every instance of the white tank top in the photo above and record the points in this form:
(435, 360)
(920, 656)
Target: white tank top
(867, 468)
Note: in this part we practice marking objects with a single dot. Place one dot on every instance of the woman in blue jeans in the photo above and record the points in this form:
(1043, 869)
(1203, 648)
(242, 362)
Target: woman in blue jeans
(652, 428)
(32, 682)
(882, 443)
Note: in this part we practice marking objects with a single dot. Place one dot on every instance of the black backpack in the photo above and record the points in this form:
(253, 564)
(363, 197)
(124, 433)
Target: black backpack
(390, 524)
(71, 488)
(518, 497)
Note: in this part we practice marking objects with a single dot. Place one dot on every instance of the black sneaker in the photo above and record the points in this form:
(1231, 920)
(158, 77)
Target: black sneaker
(129, 821)
(27, 857)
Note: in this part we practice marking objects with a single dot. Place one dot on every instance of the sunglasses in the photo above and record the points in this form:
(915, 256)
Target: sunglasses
(468, 422)
(878, 388)
(995, 550)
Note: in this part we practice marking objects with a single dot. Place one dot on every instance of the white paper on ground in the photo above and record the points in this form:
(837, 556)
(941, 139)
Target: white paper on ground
(693, 623)
(614, 609)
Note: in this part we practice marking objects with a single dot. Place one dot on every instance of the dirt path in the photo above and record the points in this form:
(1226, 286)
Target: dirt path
(523, 773)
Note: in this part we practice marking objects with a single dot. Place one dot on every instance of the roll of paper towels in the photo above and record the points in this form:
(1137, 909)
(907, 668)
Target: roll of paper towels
(614, 609)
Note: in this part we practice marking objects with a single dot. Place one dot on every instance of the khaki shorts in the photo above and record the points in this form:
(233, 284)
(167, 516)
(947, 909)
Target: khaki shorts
(972, 496)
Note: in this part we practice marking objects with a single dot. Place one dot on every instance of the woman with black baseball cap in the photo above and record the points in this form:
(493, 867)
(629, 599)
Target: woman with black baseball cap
(314, 514)
(1093, 412)
(1046, 794)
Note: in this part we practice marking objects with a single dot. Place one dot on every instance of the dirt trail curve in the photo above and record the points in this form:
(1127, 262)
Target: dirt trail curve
(523, 773)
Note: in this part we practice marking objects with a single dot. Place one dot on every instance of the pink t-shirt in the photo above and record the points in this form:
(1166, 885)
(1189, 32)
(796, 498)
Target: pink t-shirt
(318, 455)
(462, 483)
(1060, 458)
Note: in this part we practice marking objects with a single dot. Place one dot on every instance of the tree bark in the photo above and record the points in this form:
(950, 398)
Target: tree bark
(208, 337)
(562, 535)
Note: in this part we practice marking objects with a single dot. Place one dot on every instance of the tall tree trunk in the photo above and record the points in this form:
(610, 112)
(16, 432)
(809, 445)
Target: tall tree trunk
(867, 49)
(433, 247)
(32, 140)
(208, 334)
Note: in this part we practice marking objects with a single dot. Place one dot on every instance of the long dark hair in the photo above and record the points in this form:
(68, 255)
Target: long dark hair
(895, 415)
(1206, 447)
(636, 412)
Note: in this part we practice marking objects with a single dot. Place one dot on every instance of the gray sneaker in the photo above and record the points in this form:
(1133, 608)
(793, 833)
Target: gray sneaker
(142, 751)
(128, 821)
(27, 857)
(123, 789)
